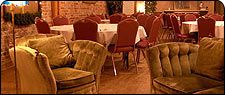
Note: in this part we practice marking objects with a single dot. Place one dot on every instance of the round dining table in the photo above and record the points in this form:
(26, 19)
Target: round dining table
(192, 26)
(106, 33)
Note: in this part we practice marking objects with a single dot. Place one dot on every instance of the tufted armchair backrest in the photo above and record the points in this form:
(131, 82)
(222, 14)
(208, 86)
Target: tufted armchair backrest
(89, 55)
(171, 59)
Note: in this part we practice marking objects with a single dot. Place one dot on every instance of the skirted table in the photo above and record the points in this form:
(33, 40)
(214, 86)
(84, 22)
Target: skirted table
(192, 26)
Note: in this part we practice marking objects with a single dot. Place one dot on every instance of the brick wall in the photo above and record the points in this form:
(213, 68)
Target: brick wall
(46, 11)
(73, 10)
(7, 40)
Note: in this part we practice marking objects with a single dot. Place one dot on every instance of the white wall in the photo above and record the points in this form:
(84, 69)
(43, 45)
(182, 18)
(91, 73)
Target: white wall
(140, 6)
(128, 7)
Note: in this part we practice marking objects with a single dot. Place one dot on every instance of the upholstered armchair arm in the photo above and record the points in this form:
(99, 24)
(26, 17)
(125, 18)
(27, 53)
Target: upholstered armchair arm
(33, 70)
(171, 59)
(89, 55)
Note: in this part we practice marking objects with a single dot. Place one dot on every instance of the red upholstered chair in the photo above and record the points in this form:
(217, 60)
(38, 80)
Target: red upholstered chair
(223, 17)
(106, 16)
(197, 15)
(182, 19)
(115, 18)
(126, 17)
(86, 29)
(95, 18)
(136, 14)
(190, 17)
(161, 18)
(124, 43)
(167, 26)
(168, 22)
(42, 26)
(216, 17)
(60, 20)
(208, 14)
(176, 29)
(148, 24)
(142, 19)
(151, 40)
(157, 14)
(206, 27)
(101, 16)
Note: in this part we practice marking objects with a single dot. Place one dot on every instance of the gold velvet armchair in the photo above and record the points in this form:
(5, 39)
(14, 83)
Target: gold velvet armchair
(37, 75)
(179, 67)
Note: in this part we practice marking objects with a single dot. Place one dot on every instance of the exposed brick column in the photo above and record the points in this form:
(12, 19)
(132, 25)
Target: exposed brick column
(73, 10)
(46, 11)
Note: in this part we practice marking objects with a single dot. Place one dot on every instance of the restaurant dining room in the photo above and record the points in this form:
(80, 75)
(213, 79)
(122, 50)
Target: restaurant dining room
(112, 47)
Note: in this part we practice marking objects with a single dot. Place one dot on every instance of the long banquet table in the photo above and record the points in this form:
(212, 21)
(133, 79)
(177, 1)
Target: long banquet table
(192, 26)
(106, 33)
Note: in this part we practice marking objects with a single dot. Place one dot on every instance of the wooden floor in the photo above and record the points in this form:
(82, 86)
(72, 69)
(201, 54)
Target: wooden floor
(126, 82)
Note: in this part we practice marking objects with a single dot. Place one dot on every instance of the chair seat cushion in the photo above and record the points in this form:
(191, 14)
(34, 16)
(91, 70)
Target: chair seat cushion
(215, 90)
(70, 77)
(142, 44)
(111, 48)
(185, 84)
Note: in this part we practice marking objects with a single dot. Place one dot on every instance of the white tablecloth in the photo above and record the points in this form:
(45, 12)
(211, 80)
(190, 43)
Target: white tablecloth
(105, 21)
(192, 26)
(106, 33)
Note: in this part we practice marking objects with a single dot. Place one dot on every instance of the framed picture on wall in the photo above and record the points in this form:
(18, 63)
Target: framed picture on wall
(181, 4)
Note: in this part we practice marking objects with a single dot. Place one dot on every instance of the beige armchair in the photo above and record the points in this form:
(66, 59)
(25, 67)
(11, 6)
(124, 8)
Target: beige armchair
(36, 75)
(178, 67)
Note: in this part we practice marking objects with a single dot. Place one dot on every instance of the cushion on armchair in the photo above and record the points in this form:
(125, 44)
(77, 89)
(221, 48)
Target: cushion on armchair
(23, 41)
(210, 60)
(55, 48)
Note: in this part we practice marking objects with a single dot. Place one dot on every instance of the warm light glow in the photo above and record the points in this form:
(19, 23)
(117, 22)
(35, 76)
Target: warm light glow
(16, 3)
(141, 6)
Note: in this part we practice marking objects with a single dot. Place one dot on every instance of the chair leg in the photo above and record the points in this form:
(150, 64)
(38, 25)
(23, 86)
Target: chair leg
(163, 33)
(125, 60)
(138, 55)
(103, 68)
(114, 67)
(168, 34)
(135, 62)
(143, 53)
